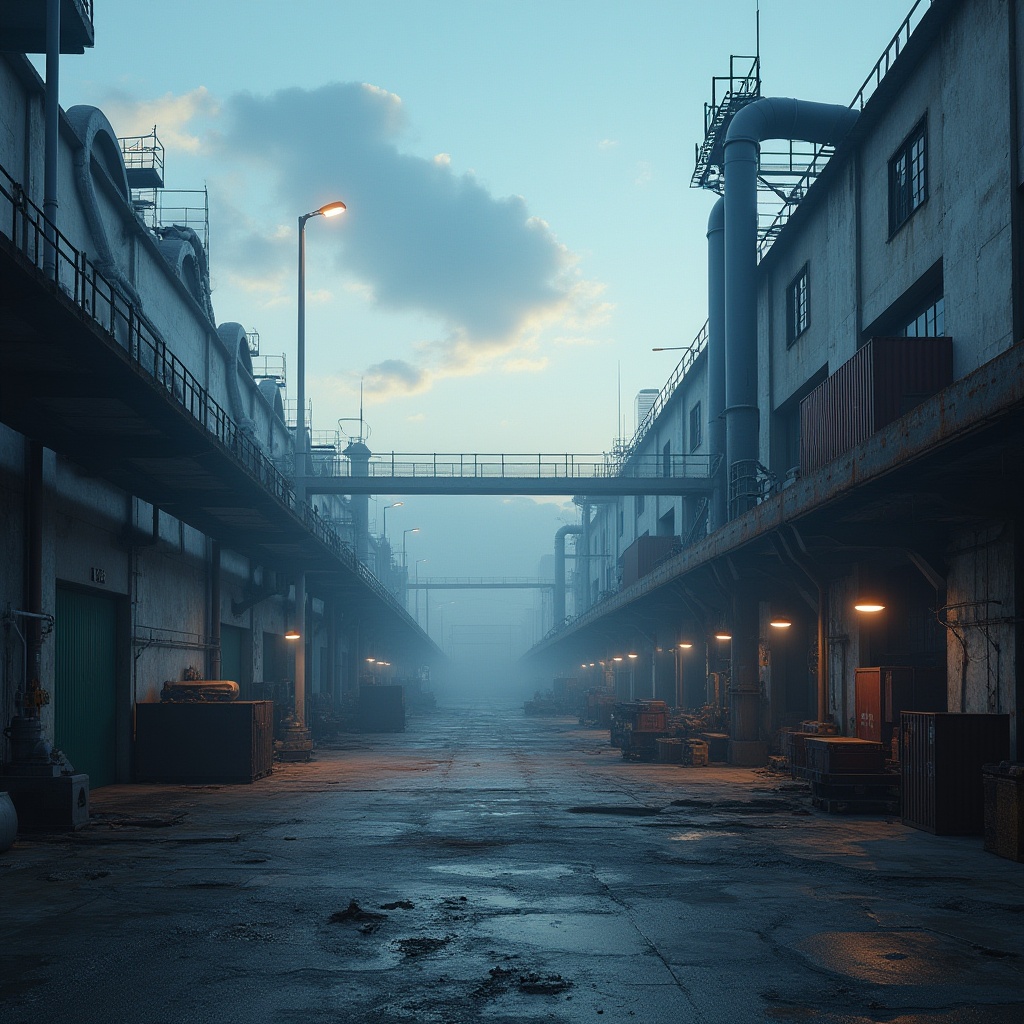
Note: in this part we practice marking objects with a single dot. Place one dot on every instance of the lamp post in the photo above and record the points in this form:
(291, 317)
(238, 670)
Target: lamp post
(328, 210)
(396, 504)
(417, 574)
(405, 533)
(384, 537)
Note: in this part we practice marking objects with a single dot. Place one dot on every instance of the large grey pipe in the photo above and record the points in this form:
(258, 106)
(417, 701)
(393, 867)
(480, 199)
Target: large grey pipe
(769, 118)
(716, 360)
(559, 598)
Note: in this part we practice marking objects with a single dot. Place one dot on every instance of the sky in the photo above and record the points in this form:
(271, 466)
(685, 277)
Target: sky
(520, 231)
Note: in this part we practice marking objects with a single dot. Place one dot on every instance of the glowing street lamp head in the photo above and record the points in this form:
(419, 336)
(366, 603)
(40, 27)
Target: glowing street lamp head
(293, 634)
(632, 656)
(870, 607)
(332, 209)
(684, 645)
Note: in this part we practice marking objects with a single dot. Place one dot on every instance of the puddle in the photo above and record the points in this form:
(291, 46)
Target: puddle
(597, 934)
(475, 870)
(688, 837)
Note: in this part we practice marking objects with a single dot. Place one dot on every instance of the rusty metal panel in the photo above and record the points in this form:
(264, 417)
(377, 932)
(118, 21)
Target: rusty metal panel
(941, 757)
(884, 692)
(644, 555)
(886, 378)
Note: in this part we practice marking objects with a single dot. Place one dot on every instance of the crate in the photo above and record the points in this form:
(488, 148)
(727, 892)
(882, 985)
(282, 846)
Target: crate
(718, 745)
(1004, 809)
(204, 741)
(669, 750)
(941, 758)
(794, 748)
(835, 754)
(696, 753)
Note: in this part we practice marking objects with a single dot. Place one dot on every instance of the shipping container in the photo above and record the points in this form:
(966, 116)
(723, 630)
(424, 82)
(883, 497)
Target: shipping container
(645, 554)
(204, 741)
(883, 381)
(941, 758)
(884, 692)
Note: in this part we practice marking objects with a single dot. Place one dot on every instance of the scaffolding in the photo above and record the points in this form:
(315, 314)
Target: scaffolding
(157, 207)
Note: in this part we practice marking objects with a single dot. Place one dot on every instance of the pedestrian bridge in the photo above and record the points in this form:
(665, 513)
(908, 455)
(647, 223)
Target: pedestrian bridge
(592, 476)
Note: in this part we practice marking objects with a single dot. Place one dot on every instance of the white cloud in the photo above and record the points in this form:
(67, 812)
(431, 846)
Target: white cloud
(172, 115)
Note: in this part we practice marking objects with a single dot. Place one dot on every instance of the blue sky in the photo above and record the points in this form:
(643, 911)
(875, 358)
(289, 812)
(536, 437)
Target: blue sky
(520, 219)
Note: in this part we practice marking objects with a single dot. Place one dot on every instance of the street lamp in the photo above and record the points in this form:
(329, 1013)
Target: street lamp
(405, 533)
(384, 532)
(328, 210)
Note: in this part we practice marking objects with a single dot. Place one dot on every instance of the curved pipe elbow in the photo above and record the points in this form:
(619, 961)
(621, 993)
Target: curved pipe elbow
(716, 218)
(779, 117)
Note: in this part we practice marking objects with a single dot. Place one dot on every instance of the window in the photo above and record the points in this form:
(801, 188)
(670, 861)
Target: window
(622, 518)
(695, 437)
(798, 305)
(908, 178)
(639, 505)
(666, 459)
(929, 323)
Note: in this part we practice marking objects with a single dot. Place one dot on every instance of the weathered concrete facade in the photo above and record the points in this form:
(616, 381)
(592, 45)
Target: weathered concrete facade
(915, 507)
(146, 586)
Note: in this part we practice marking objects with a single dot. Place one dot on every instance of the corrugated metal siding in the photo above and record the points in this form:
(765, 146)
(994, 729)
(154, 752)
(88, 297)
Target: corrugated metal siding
(884, 380)
(941, 757)
(644, 555)
(85, 683)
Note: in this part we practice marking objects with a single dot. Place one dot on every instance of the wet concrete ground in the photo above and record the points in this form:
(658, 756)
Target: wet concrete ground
(485, 866)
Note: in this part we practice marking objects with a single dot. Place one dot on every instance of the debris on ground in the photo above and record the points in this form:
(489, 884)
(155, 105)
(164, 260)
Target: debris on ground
(423, 945)
(398, 905)
(502, 980)
(369, 920)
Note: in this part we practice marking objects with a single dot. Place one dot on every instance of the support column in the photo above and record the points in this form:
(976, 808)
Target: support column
(745, 745)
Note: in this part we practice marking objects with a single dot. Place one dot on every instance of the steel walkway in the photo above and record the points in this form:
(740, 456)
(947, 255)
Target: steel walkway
(509, 474)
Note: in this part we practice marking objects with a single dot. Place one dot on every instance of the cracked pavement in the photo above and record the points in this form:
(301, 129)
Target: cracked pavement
(486, 866)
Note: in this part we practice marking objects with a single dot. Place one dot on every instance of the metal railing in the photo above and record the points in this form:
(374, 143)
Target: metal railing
(822, 154)
(476, 466)
(690, 355)
(80, 282)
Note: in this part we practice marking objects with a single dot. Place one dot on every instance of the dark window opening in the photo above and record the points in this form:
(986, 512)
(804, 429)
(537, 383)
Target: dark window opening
(639, 505)
(908, 178)
(695, 428)
(798, 305)
(666, 459)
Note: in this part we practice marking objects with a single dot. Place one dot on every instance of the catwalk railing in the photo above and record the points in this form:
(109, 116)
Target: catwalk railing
(485, 466)
(79, 281)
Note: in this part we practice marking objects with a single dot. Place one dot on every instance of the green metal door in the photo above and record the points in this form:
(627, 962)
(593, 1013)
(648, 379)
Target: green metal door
(85, 683)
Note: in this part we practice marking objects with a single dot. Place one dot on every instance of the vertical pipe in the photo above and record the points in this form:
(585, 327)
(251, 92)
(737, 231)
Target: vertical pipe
(52, 142)
(33, 643)
(716, 362)
(216, 662)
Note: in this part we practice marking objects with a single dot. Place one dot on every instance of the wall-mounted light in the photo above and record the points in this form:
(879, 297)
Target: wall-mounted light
(293, 634)
(869, 605)
(723, 634)
(632, 656)
(618, 657)
(780, 622)
(684, 645)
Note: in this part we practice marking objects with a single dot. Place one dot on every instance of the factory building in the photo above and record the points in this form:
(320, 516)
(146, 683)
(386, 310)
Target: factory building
(151, 526)
(855, 403)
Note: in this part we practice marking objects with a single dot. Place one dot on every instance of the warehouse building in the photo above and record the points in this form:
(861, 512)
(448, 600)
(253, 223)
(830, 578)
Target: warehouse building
(151, 529)
(855, 402)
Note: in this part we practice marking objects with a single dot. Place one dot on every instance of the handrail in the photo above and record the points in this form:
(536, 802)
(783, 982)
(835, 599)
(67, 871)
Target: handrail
(503, 465)
(689, 357)
(80, 281)
(864, 93)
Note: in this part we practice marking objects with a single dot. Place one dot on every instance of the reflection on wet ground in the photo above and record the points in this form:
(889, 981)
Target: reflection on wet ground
(484, 866)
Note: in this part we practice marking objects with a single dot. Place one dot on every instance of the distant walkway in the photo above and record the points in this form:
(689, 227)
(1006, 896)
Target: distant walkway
(525, 474)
